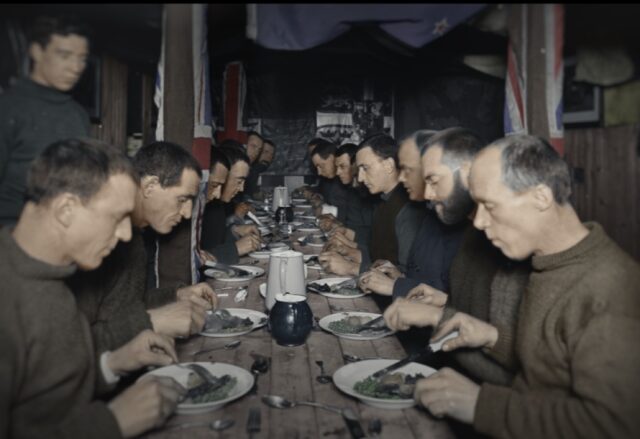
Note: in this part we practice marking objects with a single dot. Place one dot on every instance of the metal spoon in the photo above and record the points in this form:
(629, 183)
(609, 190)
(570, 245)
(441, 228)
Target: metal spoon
(353, 358)
(322, 378)
(281, 403)
(217, 425)
(232, 344)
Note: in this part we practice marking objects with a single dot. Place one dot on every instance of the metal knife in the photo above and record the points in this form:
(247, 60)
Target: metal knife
(355, 428)
(370, 324)
(253, 421)
(398, 364)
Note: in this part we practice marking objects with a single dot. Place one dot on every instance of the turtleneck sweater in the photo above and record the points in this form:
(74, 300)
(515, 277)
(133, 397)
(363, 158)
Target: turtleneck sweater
(47, 371)
(577, 347)
(32, 117)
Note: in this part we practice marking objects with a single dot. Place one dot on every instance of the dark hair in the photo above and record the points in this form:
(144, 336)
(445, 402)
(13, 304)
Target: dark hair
(235, 155)
(43, 28)
(254, 133)
(528, 161)
(218, 157)
(270, 142)
(231, 143)
(324, 150)
(383, 145)
(458, 145)
(315, 142)
(165, 160)
(77, 166)
(347, 148)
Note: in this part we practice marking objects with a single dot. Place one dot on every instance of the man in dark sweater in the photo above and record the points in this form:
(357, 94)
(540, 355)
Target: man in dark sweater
(578, 324)
(36, 111)
(483, 282)
(334, 193)
(435, 244)
(115, 297)
(80, 198)
(251, 188)
(395, 220)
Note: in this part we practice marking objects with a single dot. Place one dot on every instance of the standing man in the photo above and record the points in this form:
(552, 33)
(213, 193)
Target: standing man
(37, 111)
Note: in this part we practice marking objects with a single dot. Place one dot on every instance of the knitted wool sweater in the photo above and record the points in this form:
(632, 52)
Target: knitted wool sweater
(577, 344)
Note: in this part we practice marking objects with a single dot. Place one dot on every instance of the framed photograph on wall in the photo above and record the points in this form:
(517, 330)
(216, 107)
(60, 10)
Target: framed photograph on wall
(582, 102)
(88, 91)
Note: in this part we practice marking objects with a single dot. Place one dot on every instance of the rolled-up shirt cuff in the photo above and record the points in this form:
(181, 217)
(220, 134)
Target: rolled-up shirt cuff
(107, 373)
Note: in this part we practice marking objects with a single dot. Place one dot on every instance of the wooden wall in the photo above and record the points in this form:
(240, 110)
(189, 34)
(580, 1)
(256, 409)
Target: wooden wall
(113, 105)
(610, 192)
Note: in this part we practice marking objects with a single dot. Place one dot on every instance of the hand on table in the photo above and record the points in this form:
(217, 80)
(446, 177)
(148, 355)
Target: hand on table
(374, 281)
(243, 230)
(339, 238)
(473, 333)
(145, 349)
(146, 404)
(346, 232)
(447, 392)
(387, 268)
(327, 222)
(248, 244)
(201, 294)
(404, 313)
(428, 295)
(332, 262)
(179, 319)
(242, 208)
(205, 256)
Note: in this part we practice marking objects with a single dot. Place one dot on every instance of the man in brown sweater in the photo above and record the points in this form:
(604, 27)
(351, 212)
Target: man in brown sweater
(80, 199)
(576, 341)
(115, 297)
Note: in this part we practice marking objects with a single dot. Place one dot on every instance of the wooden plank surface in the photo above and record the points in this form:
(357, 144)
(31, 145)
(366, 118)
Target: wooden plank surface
(293, 375)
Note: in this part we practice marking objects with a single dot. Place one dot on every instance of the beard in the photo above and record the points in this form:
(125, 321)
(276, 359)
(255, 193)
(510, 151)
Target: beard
(458, 205)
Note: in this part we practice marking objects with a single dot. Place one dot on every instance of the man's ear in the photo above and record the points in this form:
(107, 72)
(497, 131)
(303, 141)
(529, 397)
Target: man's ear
(465, 168)
(36, 52)
(542, 197)
(149, 184)
(64, 208)
(389, 165)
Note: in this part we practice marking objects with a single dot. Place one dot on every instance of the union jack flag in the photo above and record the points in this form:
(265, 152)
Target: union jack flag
(525, 32)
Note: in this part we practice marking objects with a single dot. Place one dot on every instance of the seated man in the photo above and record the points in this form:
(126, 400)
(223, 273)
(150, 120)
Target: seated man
(395, 220)
(334, 192)
(435, 245)
(115, 298)
(228, 243)
(79, 203)
(359, 203)
(251, 188)
(579, 321)
(483, 282)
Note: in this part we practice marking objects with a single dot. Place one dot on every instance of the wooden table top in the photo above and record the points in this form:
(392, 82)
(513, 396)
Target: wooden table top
(293, 375)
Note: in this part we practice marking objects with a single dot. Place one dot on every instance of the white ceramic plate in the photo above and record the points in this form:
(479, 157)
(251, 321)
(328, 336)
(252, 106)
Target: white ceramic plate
(243, 385)
(348, 375)
(301, 205)
(296, 223)
(308, 229)
(307, 217)
(255, 316)
(265, 253)
(324, 324)
(264, 231)
(263, 289)
(332, 281)
(219, 275)
(311, 244)
(298, 200)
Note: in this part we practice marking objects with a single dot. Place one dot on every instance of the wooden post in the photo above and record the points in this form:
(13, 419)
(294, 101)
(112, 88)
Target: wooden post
(174, 258)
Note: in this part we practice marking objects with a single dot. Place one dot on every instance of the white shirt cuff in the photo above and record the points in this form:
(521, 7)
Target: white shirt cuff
(107, 373)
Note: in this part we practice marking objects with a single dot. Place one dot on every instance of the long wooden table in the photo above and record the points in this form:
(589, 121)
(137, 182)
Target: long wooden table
(293, 375)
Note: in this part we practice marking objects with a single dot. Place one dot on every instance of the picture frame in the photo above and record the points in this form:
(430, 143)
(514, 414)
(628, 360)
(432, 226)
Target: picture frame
(582, 102)
(88, 90)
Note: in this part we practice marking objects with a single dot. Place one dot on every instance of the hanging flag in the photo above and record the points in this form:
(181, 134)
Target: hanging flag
(233, 97)
(303, 26)
(535, 106)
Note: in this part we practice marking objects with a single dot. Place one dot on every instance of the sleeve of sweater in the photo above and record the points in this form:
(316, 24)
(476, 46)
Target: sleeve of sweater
(604, 398)
(407, 224)
(403, 285)
(7, 125)
(95, 420)
(155, 297)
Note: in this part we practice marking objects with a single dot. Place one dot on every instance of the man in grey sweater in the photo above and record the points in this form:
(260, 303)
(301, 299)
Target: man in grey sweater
(80, 200)
(37, 111)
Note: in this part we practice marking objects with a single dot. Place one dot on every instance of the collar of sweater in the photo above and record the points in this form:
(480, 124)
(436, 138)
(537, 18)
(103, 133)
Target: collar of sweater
(549, 262)
(385, 197)
(31, 88)
(29, 267)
